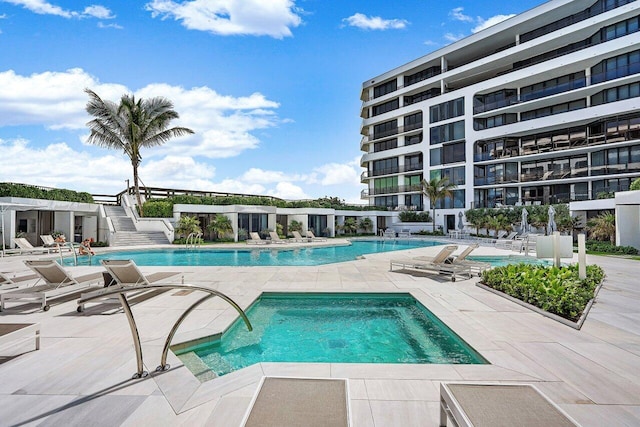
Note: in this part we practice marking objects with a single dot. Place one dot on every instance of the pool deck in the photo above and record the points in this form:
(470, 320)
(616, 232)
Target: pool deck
(82, 373)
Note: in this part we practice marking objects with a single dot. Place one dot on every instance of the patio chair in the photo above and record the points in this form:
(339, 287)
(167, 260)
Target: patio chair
(48, 240)
(275, 238)
(24, 246)
(440, 263)
(389, 233)
(506, 242)
(297, 237)
(499, 405)
(58, 283)
(121, 273)
(7, 283)
(404, 233)
(255, 239)
(475, 266)
(313, 238)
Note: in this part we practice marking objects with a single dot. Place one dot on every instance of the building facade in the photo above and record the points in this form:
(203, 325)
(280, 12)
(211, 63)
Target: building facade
(541, 108)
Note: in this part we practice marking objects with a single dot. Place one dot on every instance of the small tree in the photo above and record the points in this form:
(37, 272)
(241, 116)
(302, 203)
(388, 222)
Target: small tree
(366, 224)
(350, 226)
(603, 227)
(188, 225)
(436, 190)
(295, 225)
(219, 226)
(635, 185)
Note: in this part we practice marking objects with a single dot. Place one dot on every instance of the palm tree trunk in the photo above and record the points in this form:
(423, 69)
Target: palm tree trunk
(433, 218)
(137, 188)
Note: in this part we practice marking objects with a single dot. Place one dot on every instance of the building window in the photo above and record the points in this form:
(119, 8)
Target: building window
(386, 201)
(456, 200)
(385, 185)
(413, 201)
(616, 94)
(385, 129)
(448, 153)
(610, 186)
(388, 144)
(446, 110)
(386, 107)
(413, 139)
(553, 86)
(613, 68)
(412, 163)
(448, 132)
(494, 121)
(421, 96)
(616, 160)
(413, 121)
(494, 100)
(385, 166)
(495, 149)
(385, 88)
(554, 109)
(421, 75)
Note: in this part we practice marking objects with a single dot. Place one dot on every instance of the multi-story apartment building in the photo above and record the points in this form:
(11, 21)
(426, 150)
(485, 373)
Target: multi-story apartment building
(541, 108)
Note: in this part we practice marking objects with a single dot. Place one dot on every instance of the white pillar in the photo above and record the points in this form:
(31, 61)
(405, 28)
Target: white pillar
(582, 257)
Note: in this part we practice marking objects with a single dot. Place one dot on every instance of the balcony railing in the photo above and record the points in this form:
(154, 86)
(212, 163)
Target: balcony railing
(395, 131)
(396, 169)
(607, 192)
(394, 189)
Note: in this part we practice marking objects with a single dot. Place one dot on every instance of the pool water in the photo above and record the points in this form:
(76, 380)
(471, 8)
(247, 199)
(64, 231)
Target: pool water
(262, 256)
(334, 328)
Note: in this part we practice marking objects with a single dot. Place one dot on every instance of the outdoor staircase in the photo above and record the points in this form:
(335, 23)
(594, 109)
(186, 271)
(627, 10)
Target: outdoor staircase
(126, 233)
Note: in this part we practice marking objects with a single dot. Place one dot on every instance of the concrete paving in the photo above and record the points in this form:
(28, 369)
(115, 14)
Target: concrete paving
(82, 373)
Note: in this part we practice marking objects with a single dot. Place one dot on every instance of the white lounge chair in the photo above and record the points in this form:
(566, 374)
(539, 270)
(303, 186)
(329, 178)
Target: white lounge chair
(275, 238)
(58, 283)
(389, 233)
(297, 237)
(24, 246)
(8, 283)
(404, 234)
(475, 266)
(506, 242)
(125, 274)
(436, 264)
(499, 405)
(255, 239)
(313, 238)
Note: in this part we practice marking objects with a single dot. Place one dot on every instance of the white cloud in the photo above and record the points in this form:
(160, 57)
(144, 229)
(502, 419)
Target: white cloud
(457, 15)
(273, 18)
(482, 23)
(255, 175)
(430, 43)
(453, 37)
(224, 124)
(42, 7)
(340, 173)
(364, 22)
(115, 26)
(288, 191)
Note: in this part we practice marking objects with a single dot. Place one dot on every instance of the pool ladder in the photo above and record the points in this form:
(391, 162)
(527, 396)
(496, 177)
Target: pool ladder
(121, 292)
(72, 253)
(193, 240)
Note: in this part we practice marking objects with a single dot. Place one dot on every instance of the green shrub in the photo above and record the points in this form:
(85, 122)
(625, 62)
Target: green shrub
(9, 189)
(413, 216)
(556, 290)
(158, 208)
(635, 185)
(608, 248)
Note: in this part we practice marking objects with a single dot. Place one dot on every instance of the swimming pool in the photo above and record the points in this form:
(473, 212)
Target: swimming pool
(263, 256)
(333, 328)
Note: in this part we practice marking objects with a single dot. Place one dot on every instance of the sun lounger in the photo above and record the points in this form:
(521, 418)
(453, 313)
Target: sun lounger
(506, 242)
(404, 234)
(125, 274)
(7, 283)
(313, 238)
(297, 237)
(499, 405)
(254, 239)
(10, 333)
(436, 264)
(58, 283)
(24, 246)
(475, 266)
(389, 234)
(275, 238)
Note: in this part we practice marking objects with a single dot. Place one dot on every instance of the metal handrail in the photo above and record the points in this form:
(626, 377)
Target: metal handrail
(121, 292)
(192, 241)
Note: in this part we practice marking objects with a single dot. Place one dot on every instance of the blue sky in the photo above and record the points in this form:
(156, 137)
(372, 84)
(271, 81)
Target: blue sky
(271, 87)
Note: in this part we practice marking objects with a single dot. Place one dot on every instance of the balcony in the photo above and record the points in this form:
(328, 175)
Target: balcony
(396, 169)
(364, 194)
(395, 131)
(490, 180)
(364, 176)
(390, 190)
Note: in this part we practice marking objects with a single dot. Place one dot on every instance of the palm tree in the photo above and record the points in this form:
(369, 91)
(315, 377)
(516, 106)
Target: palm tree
(366, 224)
(132, 125)
(220, 225)
(187, 225)
(435, 190)
(603, 227)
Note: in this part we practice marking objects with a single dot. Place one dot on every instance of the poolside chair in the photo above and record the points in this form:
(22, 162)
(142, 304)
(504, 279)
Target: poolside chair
(499, 405)
(275, 238)
(404, 233)
(7, 283)
(48, 240)
(389, 234)
(475, 266)
(124, 274)
(58, 283)
(25, 246)
(297, 237)
(438, 263)
(506, 242)
(254, 239)
(313, 238)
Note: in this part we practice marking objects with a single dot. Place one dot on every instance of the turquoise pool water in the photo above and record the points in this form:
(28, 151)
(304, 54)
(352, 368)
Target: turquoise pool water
(335, 327)
(261, 256)
(501, 260)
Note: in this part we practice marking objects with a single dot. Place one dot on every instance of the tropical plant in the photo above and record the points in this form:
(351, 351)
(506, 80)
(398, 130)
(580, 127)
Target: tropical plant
(132, 125)
(477, 218)
(603, 227)
(366, 224)
(350, 226)
(219, 226)
(498, 222)
(635, 185)
(413, 216)
(295, 225)
(436, 190)
(187, 225)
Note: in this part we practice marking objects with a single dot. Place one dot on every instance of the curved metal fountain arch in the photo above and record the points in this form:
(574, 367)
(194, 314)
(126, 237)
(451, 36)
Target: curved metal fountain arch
(121, 292)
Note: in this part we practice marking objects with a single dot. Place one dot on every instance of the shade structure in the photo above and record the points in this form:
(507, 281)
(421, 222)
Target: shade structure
(8, 206)
(460, 223)
(551, 224)
(523, 222)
